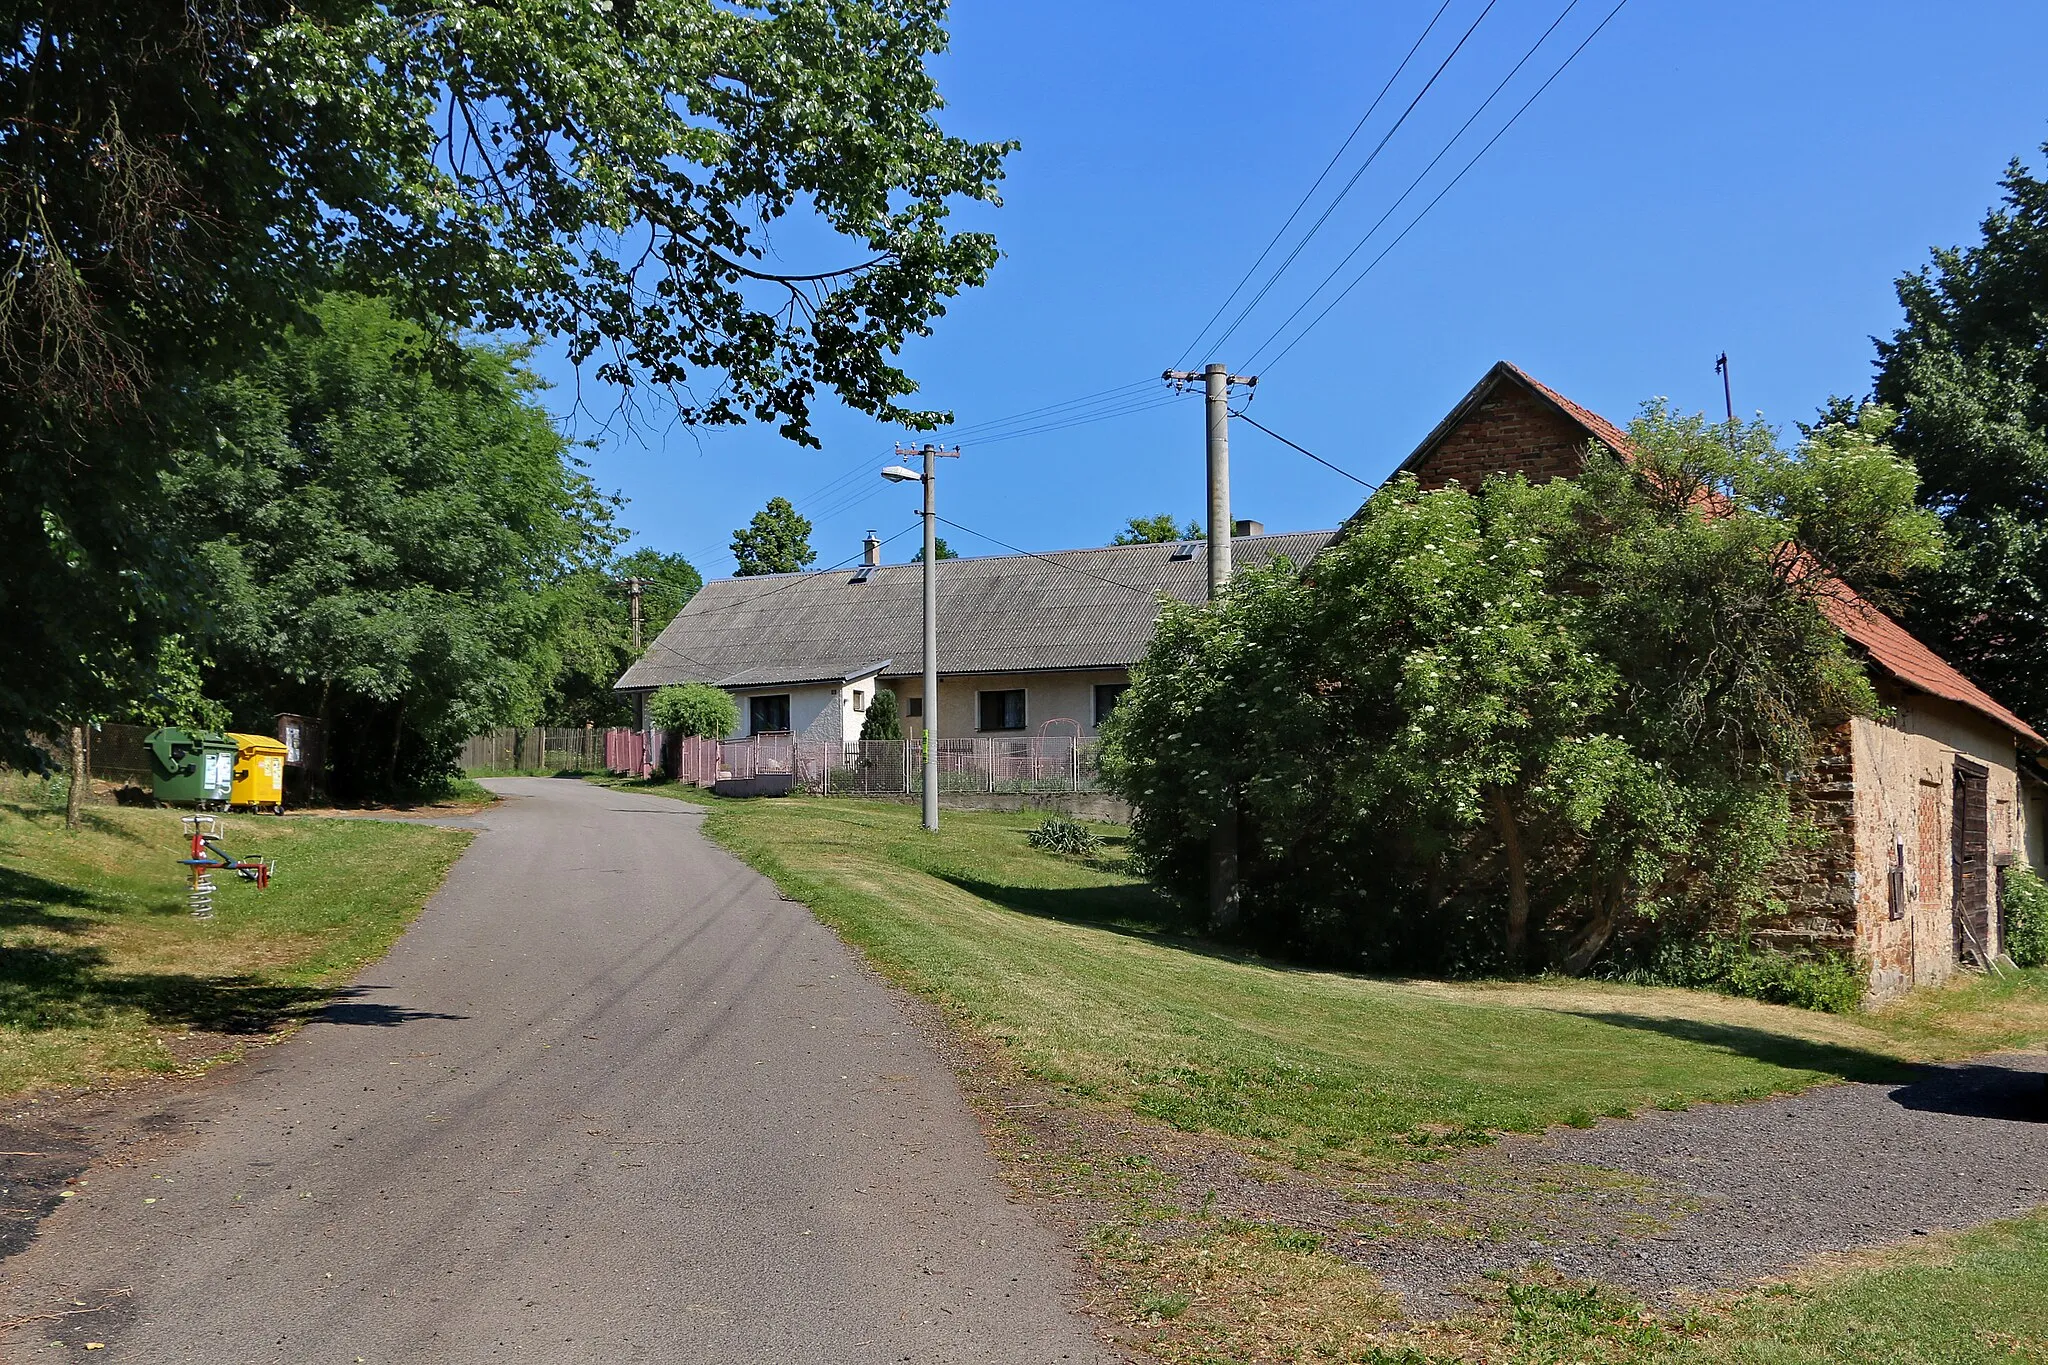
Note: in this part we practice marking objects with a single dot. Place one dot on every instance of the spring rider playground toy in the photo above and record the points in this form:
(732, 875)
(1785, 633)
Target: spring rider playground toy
(208, 857)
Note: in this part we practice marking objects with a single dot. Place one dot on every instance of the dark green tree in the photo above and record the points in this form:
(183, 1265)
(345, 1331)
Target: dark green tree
(402, 552)
(694, 709)
(1510, 724)
(940, 550)
(884, 721)
(598, 646)
(776, 541)
(177, 179)
(1968, 374)
(1157, 530)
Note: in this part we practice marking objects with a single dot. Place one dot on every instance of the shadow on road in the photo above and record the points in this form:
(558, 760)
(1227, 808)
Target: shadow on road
(1979, 1090)
(348, 1008)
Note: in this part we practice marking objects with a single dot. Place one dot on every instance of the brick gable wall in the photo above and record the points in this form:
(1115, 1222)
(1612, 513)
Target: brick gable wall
(1511, 431)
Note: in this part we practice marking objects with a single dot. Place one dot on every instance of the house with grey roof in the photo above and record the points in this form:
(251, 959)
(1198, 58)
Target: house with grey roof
(1028, 644)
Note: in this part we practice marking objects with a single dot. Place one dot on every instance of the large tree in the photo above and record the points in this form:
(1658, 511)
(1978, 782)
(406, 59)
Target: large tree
(175, 179)
(598, 644)
(1968, 373)
(777, 540)
(404, 553)
(1157, 530)
(1506, 725)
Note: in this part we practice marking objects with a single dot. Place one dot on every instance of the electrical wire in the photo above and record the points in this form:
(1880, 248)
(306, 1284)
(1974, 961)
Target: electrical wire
(1303, 449)
(1330, 208)
(1309, 193)
(1443, 151)
(1512, 120)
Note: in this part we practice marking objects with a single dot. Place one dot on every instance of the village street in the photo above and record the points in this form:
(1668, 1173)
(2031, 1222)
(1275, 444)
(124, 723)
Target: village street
(613, 1099)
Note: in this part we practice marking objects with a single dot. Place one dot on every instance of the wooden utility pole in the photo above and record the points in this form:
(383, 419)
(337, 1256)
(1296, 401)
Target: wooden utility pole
(1216, 381)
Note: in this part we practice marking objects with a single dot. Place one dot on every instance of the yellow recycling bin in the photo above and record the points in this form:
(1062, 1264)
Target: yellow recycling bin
(259, 772)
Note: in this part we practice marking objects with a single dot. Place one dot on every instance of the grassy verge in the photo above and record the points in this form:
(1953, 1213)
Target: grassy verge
(1073, 975)
(104, 973)
(1078, 971)
(1959, 1300)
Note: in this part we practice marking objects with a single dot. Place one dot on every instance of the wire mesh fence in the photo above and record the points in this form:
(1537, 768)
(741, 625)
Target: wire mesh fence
(1028, 765)
(537, 749)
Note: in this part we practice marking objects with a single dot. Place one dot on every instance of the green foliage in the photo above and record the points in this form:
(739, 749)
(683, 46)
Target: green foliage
(695, 709)
(404, 552)
(597, 645)
(884, 720)
(2026, 917)
(940, 550)
(1730, 964)
(1520, 723)
(176, 180)
(1967, 376)
(1158, 530)
(1058, 834)
(776, 541)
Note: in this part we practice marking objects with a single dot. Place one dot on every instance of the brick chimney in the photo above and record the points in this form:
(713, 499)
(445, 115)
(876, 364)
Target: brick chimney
(871, 549)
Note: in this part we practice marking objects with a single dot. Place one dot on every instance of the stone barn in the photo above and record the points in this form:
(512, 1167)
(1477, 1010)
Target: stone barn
(1923, 812)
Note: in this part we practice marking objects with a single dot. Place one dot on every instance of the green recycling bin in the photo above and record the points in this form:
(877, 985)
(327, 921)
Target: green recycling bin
(190, 767)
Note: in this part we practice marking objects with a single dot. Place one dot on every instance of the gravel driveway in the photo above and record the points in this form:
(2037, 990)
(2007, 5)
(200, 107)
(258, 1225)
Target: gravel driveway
(1724, 1194)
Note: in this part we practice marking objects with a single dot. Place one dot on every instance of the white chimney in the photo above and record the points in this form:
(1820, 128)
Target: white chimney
(871, 549)
(1247, 528)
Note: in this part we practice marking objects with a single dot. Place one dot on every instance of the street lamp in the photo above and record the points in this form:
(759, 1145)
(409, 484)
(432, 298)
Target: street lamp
(897, 473)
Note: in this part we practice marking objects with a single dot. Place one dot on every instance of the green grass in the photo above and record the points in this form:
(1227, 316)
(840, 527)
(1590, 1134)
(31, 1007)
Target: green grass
(104, 973)
(1078, 972)
(1955, 1300)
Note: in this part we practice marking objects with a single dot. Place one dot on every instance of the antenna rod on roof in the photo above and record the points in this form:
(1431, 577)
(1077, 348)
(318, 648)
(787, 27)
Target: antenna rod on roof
(1727, 396)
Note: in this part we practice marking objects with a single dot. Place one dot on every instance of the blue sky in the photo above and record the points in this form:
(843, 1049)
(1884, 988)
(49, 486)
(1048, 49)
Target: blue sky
(1740, 176)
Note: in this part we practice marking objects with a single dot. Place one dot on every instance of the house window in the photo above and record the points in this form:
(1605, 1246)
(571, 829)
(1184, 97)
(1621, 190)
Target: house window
(860, 700)
(1895, 881)
(1107, 695)
(768, 715)
(913, 706)
(1002, 710)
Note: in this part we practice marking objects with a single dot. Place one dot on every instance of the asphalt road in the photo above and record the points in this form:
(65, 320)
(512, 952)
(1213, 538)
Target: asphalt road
(611, 1099)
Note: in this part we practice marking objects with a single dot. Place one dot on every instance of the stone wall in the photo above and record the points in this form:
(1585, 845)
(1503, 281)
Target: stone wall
(1819, 883)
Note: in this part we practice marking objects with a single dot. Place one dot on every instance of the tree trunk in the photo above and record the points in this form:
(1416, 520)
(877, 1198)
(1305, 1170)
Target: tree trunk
(1518, 880)
(75, 798)
(397, 735)
(1594, 933)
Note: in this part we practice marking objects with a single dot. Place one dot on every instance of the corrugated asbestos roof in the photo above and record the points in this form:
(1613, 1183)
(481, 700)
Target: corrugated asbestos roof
(1889, 645)
(1072, 609)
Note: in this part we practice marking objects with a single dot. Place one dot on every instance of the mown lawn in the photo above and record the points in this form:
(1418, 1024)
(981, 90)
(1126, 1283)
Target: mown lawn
(1968, 1299)
(104, 973)
(1077, 970)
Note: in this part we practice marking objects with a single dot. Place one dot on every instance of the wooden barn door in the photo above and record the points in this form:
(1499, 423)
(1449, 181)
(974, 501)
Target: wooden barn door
(1970, 861)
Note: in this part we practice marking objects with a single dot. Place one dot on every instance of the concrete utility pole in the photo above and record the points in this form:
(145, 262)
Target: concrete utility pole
(929, 453)
(1216, 381)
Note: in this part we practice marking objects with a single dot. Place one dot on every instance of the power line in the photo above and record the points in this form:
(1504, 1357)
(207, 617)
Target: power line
(1057, 563)
(1315, 227)
(1512, 120)
(1423, 174)
(1304, 450)
(1309, 193)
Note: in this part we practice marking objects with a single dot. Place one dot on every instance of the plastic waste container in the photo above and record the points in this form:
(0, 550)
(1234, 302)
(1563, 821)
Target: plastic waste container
(190, 767)
(259, 772)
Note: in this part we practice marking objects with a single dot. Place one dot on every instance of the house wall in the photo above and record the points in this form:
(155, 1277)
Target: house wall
(1512, 429)
(1047, 696)
(827, 711)
(1905, 792)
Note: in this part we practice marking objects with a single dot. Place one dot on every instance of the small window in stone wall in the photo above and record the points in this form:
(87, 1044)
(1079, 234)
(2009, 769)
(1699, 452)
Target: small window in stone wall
(1895, 881)
(913, 706)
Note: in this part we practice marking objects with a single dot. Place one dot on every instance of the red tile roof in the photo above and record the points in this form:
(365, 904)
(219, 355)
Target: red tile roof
(1889, 645)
